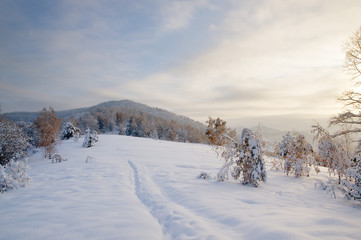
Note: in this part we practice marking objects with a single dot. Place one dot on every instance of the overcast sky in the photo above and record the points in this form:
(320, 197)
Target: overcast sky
(275, 62)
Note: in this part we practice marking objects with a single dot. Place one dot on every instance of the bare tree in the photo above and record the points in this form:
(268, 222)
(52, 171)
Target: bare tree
(353, 55)
(351, 99)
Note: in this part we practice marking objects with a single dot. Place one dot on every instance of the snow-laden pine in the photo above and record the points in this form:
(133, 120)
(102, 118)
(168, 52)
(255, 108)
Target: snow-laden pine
(68, 130)
(90, 138)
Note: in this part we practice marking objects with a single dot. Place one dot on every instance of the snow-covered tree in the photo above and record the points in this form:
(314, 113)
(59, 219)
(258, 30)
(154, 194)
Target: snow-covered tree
(297, 154)
(352, 183)
(13, 142)
(69, 130)
(331, 153)
(13, 175)
(243, 159)
(90, 138)
(30, 131)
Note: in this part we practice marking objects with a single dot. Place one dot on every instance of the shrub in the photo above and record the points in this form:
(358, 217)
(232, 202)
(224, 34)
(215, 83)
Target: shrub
(13, 175)
(352, 184)
(297, 155)
(90, 138)
(69, 130)
(243, 159)
(13, 142)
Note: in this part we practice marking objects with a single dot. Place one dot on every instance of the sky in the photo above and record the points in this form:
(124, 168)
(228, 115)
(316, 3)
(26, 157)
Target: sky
(276, 63)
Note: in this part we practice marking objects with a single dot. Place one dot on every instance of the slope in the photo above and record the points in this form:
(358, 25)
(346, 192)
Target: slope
(136, 188)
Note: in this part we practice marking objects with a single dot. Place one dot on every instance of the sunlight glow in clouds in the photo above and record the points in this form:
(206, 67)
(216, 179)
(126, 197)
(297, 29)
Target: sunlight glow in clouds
(253, 60)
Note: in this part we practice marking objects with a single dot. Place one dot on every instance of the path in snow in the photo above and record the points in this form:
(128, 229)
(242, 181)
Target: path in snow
(178, 222)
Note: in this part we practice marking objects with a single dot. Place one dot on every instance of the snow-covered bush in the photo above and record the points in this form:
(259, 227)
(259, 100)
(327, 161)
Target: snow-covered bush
(243, 159)
(57, 158)
(13, 175)
(89, 159)
(333, 155)
(352, 183)
(13, 142)
(90, 138)
(69, 130)
(30, 131)
(203, 175)
(330, 187)
(297, 154)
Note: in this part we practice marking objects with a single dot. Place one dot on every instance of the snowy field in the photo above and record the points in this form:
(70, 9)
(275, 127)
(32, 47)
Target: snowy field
(135, 188)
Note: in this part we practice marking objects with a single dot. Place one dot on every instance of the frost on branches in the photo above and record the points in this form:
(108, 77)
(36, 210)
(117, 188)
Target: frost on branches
(13, 175)
(90, 138)
(69, 130)
(331, 154)
(297, 154)
(13, 142)
(352, 184)
(243, 159)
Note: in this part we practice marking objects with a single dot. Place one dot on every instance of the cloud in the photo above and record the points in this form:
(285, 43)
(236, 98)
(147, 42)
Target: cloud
(178, 14)
(222, 58)
(274, 58)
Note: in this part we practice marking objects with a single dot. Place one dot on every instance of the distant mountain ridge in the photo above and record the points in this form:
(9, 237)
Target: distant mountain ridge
(121, 104)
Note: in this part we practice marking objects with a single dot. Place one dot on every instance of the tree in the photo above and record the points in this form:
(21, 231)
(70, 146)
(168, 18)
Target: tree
(243, 159)
(352, 183)
(69, 131)
(49, 126)
(352, 49)
(13, 142)
(30, 131)
(217, 130)
(351, 99)
(331, 153)
(350, 119)
(90, 138)
(297, 154)
(13, 175)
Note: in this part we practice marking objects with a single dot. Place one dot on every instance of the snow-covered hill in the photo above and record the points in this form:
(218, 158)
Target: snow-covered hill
(136, 188)
(121, 105)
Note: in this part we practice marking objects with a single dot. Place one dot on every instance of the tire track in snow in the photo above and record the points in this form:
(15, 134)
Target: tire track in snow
(177, 221)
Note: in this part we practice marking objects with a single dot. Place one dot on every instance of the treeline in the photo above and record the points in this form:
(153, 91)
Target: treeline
(130, 122)
(17, 137)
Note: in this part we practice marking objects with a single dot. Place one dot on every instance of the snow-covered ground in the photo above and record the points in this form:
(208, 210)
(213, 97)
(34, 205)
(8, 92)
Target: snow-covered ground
(135, 188)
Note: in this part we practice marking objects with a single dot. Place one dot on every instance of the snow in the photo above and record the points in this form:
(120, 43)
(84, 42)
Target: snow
(136, 188)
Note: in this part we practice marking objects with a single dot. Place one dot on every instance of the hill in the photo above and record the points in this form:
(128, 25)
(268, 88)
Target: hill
(121, 104)
(137, 188)
(130, 118)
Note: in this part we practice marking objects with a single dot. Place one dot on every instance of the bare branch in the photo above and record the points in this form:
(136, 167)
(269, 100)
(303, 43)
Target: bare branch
(344, 132)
